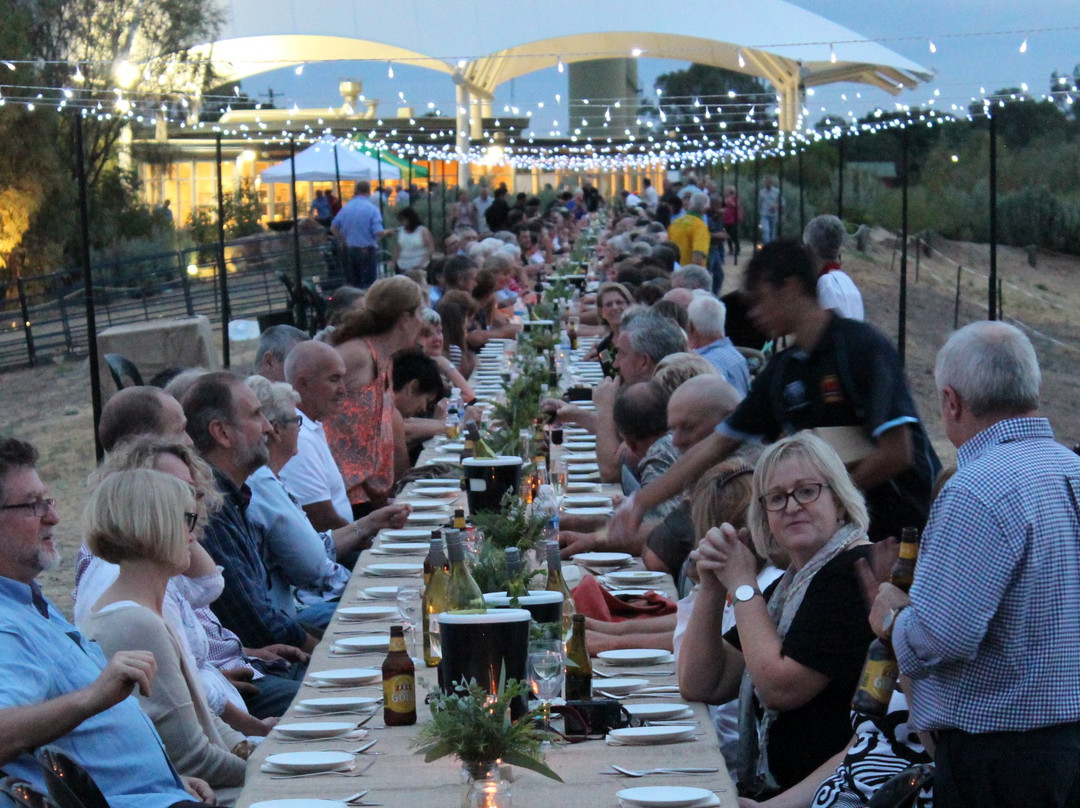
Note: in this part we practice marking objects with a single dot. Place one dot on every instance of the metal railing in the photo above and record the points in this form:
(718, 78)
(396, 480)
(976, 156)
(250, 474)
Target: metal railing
(43, 317)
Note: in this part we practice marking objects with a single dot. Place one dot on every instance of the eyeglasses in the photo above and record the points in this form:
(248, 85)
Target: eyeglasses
(39, 507)
(805, 494)
(295, 419)
(191, 519)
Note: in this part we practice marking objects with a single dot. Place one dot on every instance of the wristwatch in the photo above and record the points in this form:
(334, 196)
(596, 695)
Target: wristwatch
(889, 620)
(744, 593)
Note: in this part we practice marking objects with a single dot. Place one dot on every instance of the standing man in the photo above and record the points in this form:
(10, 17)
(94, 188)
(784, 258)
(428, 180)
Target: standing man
(824, 237)
(480, 205)
(770, 205)
(650, 195)
(690, 233)
(988, 637)
(358, 226)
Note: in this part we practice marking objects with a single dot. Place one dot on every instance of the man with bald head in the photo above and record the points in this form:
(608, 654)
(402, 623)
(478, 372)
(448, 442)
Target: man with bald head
(694, 410)
(136, 411)
(317, 373)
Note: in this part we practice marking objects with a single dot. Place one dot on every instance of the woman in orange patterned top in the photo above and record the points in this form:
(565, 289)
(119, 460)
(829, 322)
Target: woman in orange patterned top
(361, 434)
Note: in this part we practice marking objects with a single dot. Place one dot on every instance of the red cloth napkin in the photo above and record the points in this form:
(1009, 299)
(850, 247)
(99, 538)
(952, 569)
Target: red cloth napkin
(592, 600)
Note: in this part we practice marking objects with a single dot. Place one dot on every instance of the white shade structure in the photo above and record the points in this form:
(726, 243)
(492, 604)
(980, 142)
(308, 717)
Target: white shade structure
(316, 164)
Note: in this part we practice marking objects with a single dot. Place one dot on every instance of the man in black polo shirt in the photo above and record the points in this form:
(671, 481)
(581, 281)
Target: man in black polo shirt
(837, 373)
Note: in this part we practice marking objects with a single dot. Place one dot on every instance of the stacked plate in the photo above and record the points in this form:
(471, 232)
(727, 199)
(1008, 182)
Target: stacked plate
(433, 518)
(634, 577)
(658, 711)
(629, 657)
(408, 534)
(392, 571)
(352, 614)
(612, 560)
(665, 797)
(586, 501)
(404, 547)
(650, 736)
(315, 730)
(620, 685)
(361, 645)
(339, 704)
(446, 488)
(308, 762)
(347, 677)
(382, 592)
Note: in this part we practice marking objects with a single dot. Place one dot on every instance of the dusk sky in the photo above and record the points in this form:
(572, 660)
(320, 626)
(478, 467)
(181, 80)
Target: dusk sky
(978, 46)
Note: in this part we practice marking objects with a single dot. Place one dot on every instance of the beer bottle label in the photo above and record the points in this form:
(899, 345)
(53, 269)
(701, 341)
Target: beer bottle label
(878, 679)
(399, 693)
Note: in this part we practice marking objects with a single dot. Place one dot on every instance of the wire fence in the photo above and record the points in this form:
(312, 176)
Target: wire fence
(43, 317)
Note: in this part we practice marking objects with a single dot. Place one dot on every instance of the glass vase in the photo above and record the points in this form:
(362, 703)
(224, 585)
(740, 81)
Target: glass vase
(484, 786)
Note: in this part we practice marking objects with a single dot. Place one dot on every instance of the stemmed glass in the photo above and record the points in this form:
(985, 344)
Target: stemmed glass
(546, 678)
(558, 478)
(408, 603)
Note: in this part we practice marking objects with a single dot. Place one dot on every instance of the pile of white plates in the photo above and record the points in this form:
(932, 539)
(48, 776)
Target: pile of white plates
(361, 645)
(630, 657)
(347, 677)
(650, 736)
(665, 797)
(392, 571)
(308, 762)
(352, 614)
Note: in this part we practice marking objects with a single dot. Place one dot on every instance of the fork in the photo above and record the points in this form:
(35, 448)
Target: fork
(646, 772)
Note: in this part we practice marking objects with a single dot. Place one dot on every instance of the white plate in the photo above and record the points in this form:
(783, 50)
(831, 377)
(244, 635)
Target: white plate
(438, 482)
(635, 576)
(420, 504)
(603, 559)
(300, 762)
(404, 547)
(658, 711)
(407, 534)
(443, 458)
(586, 501)
(353, 645)
(577, 458)
(634, 656)
(381, 592)
(298, 803)
(664, 796)
(582, 485)
(393, 570)
(620, 685)
(428, 517)
(605, 511)
(452, 446)
(315, 729)
(351, 613)
(574, 467)
(348, 676)
(630, 593)
(337, 703)
(652, 735)
(438, 491)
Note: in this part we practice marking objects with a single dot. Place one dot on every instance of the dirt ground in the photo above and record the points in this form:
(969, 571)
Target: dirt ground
(50, 405)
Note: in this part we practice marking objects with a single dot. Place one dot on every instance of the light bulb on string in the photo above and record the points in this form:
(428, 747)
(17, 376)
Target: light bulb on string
(931, 45)
(300, 70)
(561, 66)
(739, 55)
(832, 53)
(1023, 45)
(389, 69)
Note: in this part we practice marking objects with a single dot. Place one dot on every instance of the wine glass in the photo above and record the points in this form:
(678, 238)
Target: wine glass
(546, 678)
(409, 604)
(558, 478)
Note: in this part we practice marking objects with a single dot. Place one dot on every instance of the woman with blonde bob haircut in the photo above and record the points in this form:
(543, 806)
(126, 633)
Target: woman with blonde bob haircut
(795, 655)
(143, 520)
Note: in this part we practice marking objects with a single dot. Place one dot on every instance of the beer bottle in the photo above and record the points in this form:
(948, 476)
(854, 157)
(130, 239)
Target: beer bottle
(434, 599)
(459, 519)
(399, 683)
(463, 593)
(578, 664)
(881, 671)
(556, 583)
(572, 334)
(472, 436)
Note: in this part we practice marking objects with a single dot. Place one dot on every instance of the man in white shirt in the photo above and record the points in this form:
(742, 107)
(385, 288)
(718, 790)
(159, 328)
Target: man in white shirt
(650, 195)
(480, 205)
(824, 236)
(317, 373)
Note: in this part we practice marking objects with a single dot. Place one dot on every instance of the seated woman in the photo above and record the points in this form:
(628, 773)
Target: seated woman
(188, 597)
(417, 386)
(804, 641)
(143, 520)
(295, 554)
(432, 342)
(455, 324)
(361, 432)
(611, 301)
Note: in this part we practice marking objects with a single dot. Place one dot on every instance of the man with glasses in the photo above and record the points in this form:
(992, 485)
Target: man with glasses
(57, 687)
(839, 375)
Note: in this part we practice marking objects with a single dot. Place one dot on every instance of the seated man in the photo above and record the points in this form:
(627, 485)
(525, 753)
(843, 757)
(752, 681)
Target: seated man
(273, 346)
(706, 336)
(640, 416)
(418, 385)
(141, 411)
(226, 423)
(57, 688)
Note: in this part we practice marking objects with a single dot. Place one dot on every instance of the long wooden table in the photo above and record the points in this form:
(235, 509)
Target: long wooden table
(400, 777)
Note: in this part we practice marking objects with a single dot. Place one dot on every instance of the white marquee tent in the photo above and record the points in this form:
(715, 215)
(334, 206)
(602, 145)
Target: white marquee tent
(316, 164)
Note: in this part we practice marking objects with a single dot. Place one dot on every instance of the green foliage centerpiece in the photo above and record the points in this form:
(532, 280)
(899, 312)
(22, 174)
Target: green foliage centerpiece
(513, 525)
(475, 727)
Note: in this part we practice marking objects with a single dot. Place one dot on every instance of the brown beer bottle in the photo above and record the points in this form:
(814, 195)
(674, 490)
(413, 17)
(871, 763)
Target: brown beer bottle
(881, 670)
(578, 664)
(399, 683)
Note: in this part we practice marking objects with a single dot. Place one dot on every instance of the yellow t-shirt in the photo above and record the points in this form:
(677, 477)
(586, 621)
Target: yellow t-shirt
(690, 234)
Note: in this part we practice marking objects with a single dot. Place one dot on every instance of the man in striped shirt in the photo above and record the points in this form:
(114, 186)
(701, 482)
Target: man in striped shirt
(990, 637)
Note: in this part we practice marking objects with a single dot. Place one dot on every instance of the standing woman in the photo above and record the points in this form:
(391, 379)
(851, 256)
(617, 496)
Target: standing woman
(414, 245)
(361, 433)
(733, 216)
(803, 641)
(143, 520)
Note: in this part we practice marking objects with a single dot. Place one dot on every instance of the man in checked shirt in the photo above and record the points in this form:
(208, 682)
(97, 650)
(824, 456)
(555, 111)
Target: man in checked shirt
(990, 636)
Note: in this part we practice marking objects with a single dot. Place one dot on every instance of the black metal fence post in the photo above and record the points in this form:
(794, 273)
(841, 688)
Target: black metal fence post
(901, 331)
(299, 314)
(88, 282)
(185, 283)
(992, 303)
(27, 329)
(840, 179)
(226, 313)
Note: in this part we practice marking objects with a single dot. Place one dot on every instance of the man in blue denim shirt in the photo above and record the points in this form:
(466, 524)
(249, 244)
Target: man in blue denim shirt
(56, 686)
